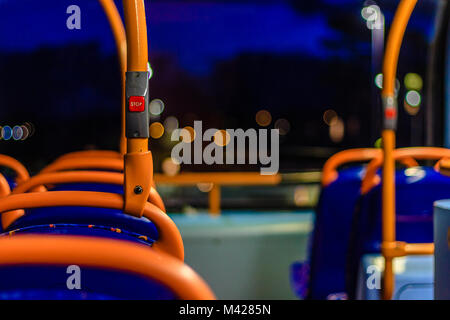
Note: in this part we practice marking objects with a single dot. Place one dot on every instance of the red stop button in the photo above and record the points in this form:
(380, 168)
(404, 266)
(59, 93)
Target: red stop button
(390, 113)
(136, 104)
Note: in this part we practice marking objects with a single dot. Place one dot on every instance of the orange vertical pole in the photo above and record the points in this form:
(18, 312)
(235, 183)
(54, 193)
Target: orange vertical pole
(137, 57)
(118, 29)
(214, 200)
(138, 163)
(393, 46)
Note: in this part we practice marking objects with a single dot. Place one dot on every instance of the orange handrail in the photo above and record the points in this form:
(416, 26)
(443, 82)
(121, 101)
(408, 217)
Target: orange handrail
(75, 163)
(105, 254)
(103, 177)
(118, 29)
(330, 173)
(217, 180)
(418, 153)
(169, 239)
(221, 178)
(91, 154)
(4, 187)
(390, 61)
(136, 32)
(138, 163)
(16, 166)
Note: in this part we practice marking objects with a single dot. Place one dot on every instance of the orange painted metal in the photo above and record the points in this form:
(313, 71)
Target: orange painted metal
(105, 254)
(136, 31)
(4, 187)
(51, 178)
(218, 179)
(91, 154)
(169, 237)
(330, 174)
(221, 178)
(138, 169)
(214, 200)
(115, 164)
(138, 176)
(419, 153)
(118, 29)
(16, 166)
(388, 207)
(390, 61)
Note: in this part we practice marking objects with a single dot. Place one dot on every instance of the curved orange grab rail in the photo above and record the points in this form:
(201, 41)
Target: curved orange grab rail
(4, 186)
(105, 253)
(70, 163)
(419, 153)
(16, 166)
(395, 39)
(220, 178)
(91, 154)
(115, 178)
(138, 166)
(136, 32)
(169, 237)
(330, 173)
(118, 29)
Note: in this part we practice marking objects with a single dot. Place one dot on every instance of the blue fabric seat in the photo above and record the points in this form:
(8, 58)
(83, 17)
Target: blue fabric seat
(416, 190)
(330, 236)
(50, 282)
(100, 217)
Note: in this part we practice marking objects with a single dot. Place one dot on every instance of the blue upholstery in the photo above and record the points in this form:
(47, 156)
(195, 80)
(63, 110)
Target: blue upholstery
(86, 215)
(348, 225)
(331, 233)
(416, 191)
(50, 282)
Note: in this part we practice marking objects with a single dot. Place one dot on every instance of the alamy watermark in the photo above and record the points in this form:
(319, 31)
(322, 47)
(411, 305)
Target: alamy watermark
(374, 277)
(237, 147)
(74, 20)
(74, 280)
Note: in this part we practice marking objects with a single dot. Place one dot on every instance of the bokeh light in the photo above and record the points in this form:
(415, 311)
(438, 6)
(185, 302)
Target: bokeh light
(156, 107)
(221, 138)
(150, 70)
(30, 128)
(187, 134)
(17, 133)
(205, 187)
(156, 130)
(283, 126)
(329, 116)
(170, 167)
(413, 98)
(379, 80)
(336, 130)
(378, 143)
(7, 132)
(301, 196)
(171, 123)
(413, 81)
(411, 110)
(25, 131)
(263, 118)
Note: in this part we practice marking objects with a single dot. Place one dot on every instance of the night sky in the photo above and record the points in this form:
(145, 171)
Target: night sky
(293, 58)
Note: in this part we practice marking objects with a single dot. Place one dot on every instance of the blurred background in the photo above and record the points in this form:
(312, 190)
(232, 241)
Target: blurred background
(308, 68)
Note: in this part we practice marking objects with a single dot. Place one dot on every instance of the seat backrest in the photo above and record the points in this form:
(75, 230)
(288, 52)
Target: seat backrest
(39, 267)
(331, 231)
(416, 191)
